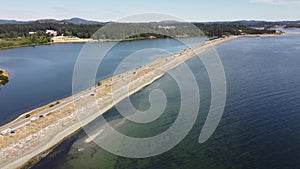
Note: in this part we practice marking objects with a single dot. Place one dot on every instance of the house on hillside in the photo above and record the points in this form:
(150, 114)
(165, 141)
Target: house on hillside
(51, 32)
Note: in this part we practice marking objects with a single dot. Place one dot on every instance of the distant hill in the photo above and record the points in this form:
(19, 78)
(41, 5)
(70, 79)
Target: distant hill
(249, 23)
(11, 22)
(79, 21)
(76, 21)
(168, 22)
(241, 22)
(255, 23)
(48, 21)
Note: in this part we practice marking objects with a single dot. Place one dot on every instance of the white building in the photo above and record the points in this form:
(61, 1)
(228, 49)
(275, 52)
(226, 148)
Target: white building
(31, 33)
(166, 27)
(51, 32)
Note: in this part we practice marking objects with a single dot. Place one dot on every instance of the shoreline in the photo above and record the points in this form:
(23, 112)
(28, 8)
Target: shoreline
(147, 74)
(66, 39)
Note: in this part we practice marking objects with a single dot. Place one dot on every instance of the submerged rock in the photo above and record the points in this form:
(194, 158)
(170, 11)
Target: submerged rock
(3, 77)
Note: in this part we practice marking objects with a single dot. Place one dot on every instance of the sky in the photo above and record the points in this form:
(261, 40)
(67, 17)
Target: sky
(187, 10)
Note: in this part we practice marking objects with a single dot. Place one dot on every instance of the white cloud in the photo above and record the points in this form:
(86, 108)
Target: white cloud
(278, 2)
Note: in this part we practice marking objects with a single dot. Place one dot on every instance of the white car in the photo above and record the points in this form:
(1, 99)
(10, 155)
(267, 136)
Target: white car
(34, 118)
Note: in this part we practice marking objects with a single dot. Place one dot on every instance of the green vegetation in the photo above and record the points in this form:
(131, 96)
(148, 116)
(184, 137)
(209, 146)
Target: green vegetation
(129, 31)
(31, 40)
(17, 35)
(34, 33)
(67, 29)
(213, 30)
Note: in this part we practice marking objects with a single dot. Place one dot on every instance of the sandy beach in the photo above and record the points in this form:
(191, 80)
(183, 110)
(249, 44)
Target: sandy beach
(67, 39)
(56, 121)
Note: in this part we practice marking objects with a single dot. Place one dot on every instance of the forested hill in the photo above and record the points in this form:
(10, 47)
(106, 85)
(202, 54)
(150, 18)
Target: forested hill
(40, 27)
(41, 32)
(264, 24)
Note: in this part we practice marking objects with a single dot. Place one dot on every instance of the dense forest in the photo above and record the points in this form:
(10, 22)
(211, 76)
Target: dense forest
(15, 35)
(116, 30)
(261, 24)
(12, 35)
(219, 30)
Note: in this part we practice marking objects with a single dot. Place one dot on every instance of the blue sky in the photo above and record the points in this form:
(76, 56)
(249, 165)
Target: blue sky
(189, 10)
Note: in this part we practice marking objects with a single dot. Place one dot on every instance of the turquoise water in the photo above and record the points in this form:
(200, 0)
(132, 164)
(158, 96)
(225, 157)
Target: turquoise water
(260, 127)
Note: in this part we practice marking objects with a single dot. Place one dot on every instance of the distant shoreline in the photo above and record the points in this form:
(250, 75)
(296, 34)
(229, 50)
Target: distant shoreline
(72, 39)
(66, 39)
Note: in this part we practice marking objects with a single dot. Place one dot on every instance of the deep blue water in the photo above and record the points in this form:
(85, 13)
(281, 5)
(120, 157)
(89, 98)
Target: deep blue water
(260, 127)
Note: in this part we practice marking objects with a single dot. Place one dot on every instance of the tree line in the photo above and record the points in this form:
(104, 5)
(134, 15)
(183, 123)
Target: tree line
(125, 30)
(34, 33)
(22, 30)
